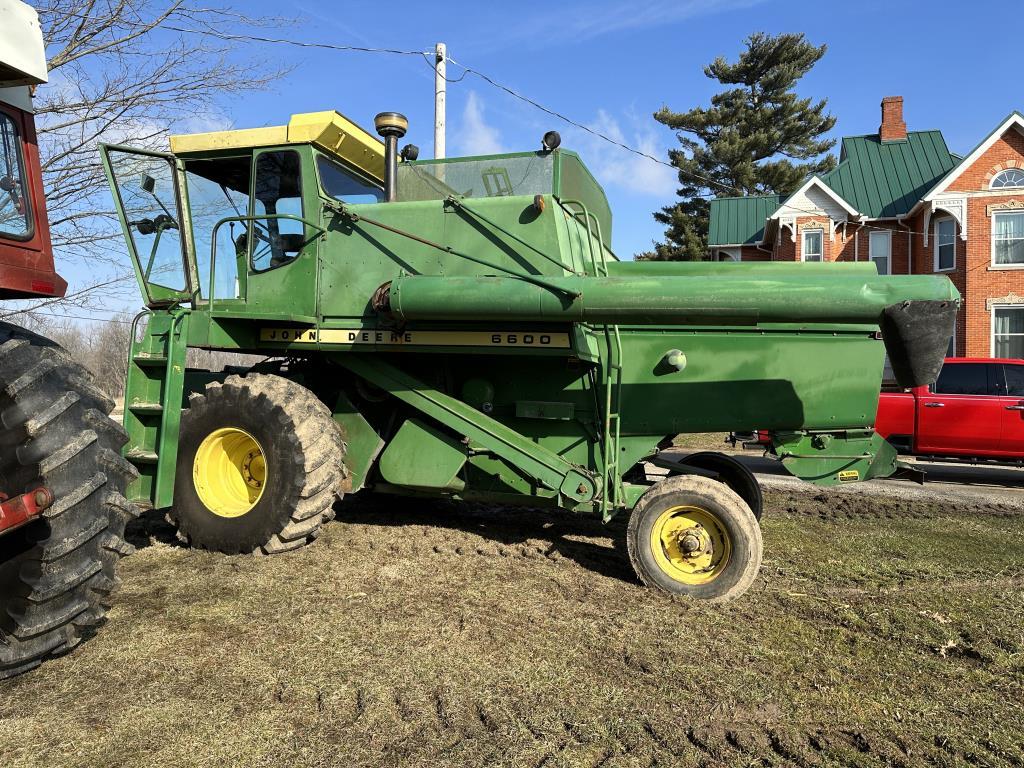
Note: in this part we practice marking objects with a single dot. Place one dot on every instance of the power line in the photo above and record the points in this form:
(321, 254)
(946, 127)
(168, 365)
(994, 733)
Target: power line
(711, 183)
(285, 41)
(467, 70)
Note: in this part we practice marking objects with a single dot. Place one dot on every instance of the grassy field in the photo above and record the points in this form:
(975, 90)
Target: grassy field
(880, 633)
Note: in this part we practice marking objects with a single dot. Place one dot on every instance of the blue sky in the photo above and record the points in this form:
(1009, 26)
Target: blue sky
(610, 64)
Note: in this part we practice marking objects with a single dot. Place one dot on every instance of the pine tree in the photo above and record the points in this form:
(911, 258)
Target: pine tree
(756, 138)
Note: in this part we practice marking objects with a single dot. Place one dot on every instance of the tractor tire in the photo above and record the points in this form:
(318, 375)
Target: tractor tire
(694, 536)
(58, 570)
(260, 466)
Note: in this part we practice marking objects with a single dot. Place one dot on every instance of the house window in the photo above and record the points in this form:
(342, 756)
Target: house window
(1008, 238)
(879, 250)
(812, 245)
(1008, 332)
(1011, 177)
(945, 244)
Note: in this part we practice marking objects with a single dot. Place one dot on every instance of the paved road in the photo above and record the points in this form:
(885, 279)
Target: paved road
(1003, 485)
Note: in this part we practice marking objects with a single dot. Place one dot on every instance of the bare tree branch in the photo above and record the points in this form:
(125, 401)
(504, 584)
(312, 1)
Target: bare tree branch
(127, 72)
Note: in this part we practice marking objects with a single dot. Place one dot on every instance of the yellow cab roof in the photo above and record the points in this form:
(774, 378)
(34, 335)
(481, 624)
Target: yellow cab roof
(331, 132)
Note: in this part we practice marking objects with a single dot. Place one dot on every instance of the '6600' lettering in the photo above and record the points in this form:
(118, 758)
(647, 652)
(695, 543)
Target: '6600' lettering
(523, 339)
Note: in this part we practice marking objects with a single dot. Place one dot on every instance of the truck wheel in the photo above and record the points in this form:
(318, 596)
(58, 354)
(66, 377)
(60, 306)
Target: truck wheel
(259, 466)
(57, 571)
(733, 473)
(694, 536)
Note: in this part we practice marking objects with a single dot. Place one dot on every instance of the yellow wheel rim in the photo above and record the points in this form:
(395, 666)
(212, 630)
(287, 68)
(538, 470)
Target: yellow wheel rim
(690, 545)
(229, 472)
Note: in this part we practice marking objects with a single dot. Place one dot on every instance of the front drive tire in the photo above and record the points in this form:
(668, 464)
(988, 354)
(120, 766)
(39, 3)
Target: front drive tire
(260, 465)
(693, 536)
(58, 571)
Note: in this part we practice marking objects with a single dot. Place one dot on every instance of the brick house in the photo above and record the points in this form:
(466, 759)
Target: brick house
(902, 200)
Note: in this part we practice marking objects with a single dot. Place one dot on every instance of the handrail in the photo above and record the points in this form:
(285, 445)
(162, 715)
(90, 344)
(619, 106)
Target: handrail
(321, 231)
(600, 268)
(611, 436)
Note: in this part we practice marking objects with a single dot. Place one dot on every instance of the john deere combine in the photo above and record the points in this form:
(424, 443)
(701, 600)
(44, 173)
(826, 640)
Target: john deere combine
(460, 328)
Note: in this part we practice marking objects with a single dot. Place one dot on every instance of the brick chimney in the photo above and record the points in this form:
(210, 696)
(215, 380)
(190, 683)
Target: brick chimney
(892, 128)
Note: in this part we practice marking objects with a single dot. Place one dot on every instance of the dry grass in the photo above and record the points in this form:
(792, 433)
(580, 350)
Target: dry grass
(426, 635)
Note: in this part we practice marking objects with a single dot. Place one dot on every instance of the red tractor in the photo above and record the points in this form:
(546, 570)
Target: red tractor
(62, 479)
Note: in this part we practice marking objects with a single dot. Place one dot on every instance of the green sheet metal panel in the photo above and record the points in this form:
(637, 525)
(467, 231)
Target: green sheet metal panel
(420, 456)
(740, 220)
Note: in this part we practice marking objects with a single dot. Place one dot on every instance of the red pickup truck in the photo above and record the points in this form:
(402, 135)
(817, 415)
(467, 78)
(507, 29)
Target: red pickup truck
(975, 410)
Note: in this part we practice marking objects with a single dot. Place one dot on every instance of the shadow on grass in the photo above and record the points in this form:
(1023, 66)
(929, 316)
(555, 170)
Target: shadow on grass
(553, 533)
(556, 533)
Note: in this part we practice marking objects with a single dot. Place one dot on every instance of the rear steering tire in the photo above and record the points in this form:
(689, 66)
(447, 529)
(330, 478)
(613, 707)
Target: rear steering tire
(259, 466)
(733, 473)
(694, 536)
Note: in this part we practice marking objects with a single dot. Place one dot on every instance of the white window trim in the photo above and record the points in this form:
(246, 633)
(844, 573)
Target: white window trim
(992, 181)
(992, 325)
(992, 241)
(953, 339)
(803, 243)
(888, 259)
(935, 244)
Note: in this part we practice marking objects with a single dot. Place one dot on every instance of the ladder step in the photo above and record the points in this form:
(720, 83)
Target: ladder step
(139, 456)
(153, 360)
(146, 408)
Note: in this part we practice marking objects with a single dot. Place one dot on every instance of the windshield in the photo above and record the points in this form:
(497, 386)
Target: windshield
(530, 174)
(342, 184)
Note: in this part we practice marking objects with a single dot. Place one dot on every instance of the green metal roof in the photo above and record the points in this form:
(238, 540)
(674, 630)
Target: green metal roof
(958, 160)
(740, 220)
(882, 179)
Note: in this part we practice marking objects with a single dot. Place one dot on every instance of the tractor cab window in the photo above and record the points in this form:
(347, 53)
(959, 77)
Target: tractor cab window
(276, 239)
(15, 213)
(217, 190)
(345, 185)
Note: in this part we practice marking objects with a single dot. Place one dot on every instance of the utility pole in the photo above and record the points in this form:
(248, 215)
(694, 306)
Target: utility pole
(440, 60)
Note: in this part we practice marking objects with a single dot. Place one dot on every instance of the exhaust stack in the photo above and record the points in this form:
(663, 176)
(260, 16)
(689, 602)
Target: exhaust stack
(391, 126)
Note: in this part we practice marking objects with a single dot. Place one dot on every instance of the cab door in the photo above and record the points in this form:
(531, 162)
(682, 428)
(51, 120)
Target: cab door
(281, 281)
(961, 414)
(147, 195)
(1011, 441)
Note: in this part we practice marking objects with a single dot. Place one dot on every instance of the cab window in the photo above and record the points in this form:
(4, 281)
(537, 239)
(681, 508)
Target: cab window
(15, 212)
(344, 185)
(277, 190)
(219, 189)
(967, 379)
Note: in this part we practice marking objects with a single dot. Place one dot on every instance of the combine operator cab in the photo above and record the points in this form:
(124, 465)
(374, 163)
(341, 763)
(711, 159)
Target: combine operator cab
(26, 259)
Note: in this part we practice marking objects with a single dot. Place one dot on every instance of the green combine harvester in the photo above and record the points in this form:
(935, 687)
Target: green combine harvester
(459, 328)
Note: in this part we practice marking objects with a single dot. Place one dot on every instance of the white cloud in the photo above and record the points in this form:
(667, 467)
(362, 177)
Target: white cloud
(573, 22)
(474, 135)
(205, 122)
(615, 166)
